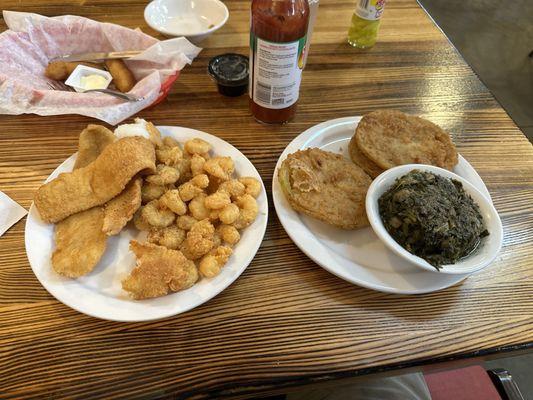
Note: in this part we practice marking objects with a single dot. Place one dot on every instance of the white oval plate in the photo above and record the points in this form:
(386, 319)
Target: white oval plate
(356, 256)
(99, 294)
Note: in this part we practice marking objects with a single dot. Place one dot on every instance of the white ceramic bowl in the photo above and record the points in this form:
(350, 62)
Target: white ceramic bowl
(487, 250)
(194, 19)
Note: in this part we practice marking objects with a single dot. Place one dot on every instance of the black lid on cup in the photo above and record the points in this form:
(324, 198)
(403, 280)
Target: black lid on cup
(229, 69)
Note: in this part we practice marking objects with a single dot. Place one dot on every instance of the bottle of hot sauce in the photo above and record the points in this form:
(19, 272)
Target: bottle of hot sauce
(277, 42)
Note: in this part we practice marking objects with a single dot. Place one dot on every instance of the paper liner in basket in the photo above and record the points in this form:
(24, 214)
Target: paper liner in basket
(32, 40)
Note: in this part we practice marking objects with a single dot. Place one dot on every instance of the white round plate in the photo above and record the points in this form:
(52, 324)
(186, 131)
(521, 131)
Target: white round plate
(356, 256)
(100, 293)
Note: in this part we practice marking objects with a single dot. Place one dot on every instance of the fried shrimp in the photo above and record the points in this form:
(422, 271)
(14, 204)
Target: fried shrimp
(171, 237)
(156, 215)
(197, 207)
(220, 167)
(217, 200)
(164, 175)
(171, 156)
(211, 264)
(197, 146)
(173, 202)
(150, 191)
(247, 211)
(186, 222)
(199, 240)
(253, 186)
(233, 187)
(197, 165)
(194, 187)
(140, 222)
(229, 234)
(229, 214)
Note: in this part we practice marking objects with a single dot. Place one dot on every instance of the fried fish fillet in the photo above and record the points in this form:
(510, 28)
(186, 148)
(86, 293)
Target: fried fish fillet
(325, 186)
(118, 211)
(93, 140)
(96, 183)
(80, 242)
(159, 271)
(390, 138)
(363, 161)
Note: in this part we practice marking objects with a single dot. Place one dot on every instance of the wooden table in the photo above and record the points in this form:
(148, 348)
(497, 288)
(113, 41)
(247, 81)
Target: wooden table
(285, 321)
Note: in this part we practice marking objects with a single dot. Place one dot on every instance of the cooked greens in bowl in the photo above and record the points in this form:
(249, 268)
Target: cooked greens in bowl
(432, 217)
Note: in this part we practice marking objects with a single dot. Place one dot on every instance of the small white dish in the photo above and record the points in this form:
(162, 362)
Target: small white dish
(482, 256)
(194, 19)
(75, 78)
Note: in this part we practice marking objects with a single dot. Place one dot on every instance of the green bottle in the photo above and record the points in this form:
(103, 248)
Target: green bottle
(363, 31)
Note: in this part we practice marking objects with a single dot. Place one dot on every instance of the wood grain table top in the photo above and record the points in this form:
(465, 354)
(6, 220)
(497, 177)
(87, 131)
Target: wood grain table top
(285, 321)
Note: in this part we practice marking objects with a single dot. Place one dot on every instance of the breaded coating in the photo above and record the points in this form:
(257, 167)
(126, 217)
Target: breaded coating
(164, 175)
(155, 135)
(60, 70)
(325, 186)
(150, 192)
(197, 146)
(171, 237)
(158, 272)
(199, 240)
(233, 187)
(211, 264)
(229, 214)
(118, 211)
(369, 166)
(248, 210)
(252, 185)
(390, 138)
(220, 167)
(92, 141)
(96, 183)
(140, 222)
(80, 243)
(173, 202)
(122, 76)
(229, 234)
(157, 215)
(171, 156)
(186, 222)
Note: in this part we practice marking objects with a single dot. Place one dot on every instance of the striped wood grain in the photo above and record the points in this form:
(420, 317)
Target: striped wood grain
(285, 321)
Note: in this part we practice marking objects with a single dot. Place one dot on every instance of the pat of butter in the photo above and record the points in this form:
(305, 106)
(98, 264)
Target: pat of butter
(93, 82)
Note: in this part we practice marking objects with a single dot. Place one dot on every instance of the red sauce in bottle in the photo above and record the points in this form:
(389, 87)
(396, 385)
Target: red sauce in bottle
(277, 42)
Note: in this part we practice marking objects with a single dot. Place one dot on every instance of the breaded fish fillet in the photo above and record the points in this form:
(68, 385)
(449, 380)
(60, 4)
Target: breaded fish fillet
(96, 183)
(118, 211)
(80, 242)
(93, 140)
(159, 271)
(390, 138)
(325, 186)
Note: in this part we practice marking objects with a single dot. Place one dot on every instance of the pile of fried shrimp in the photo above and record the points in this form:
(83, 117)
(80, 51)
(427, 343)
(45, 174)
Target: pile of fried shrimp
(194, 204)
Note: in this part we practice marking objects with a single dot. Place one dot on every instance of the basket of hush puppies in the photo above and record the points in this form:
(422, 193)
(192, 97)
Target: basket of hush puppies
(39, 57)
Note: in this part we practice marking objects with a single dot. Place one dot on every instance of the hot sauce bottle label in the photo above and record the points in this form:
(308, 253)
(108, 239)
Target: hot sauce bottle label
(370, 10)
(276, 72)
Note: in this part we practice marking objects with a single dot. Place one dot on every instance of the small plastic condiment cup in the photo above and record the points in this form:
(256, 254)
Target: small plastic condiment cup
(230, 72)
(74, 80)
(481, 257)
